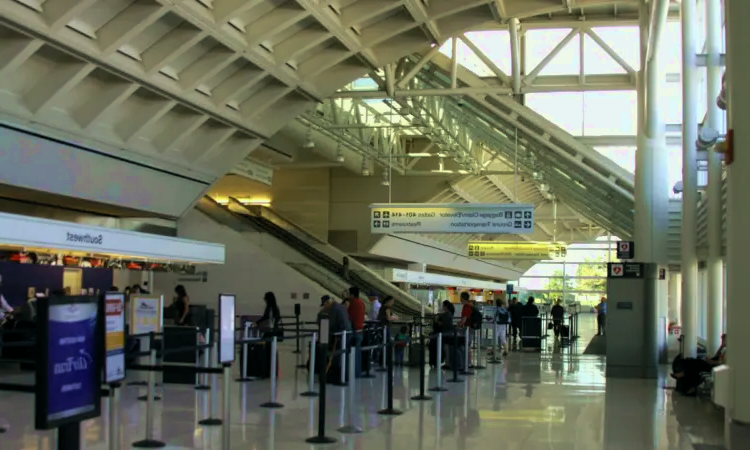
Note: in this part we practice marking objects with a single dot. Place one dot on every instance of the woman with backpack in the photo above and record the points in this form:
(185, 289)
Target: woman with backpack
(502, 320)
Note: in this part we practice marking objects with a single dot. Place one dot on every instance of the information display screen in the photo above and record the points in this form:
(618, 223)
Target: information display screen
(226, 328)
(114, 339)
(69, 363)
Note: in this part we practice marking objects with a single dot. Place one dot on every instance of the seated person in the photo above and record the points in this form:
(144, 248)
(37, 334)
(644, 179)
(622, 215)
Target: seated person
(687, 371)
(402, 339)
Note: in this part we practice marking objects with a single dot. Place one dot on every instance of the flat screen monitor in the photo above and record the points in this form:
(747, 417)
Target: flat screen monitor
(226, 328)
(69, 360)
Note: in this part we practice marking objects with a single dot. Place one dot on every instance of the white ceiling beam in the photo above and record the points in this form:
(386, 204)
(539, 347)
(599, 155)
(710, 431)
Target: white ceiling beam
(529, 79)
(359, 12)
(97, 105)
(502, 76)
(300, 43)
(225, 10)
(143, 116)
(206, 66)
(58, 13)
(208, 144)
(59, 81)
(243, 79)
(515, 54)
(15, 52)
(276, 21)
(170, 47)
(323, 60)
(264, 99)
(418, 66)
(611, 52)
(177, 127)
(418, 12)
(128, 24)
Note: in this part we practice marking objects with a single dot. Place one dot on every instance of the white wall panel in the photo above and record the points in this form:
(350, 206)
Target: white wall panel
(34, 162)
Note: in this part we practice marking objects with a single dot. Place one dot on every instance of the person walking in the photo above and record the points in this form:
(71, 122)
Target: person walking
(502, 320)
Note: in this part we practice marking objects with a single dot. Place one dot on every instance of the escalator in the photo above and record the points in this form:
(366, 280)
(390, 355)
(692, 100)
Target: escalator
(329, 272)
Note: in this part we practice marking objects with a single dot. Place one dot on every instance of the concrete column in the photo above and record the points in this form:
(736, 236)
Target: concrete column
(738, 221)
(689, 178)
(652, 161)
(715, 294)
(675, 293)
(702, 302)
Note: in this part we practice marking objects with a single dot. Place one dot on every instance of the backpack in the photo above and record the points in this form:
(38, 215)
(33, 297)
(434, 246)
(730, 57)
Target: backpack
(475, 320)
(502, 317)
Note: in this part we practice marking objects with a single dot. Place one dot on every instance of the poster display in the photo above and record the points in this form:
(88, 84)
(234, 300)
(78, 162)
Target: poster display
(114, 337)
(226, 328)
(146, 314)
(472, 218)
(69, 363)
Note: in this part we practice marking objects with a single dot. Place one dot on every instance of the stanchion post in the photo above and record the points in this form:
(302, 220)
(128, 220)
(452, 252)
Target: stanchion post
(478, 364)
(297, 312)
(311, 386)
(243, 362)
(342, 374)
(301, 358)
(321, 438)
(389, 411)
(351, 427)
(466, 370)
(439, 386)
(273, 403)
(422, 364)
(212, 420)
(366, 373)
(384, 365)
(454, 359)
(149, 441)
(226, 387)
(205, 385)
(150, 378)
(114, 416)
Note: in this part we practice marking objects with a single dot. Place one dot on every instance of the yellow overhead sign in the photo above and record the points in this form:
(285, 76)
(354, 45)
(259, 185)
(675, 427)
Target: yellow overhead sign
(517, 250)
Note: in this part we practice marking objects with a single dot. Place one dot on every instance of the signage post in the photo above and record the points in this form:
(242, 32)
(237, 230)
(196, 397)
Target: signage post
(114, 358)
(146, 316)
(69, 365)
(226, 358)
(473, 218)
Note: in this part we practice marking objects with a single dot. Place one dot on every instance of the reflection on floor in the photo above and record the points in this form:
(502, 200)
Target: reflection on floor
(556, 400)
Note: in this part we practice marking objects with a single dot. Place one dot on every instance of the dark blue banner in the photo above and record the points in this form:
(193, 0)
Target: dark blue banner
(72, 378)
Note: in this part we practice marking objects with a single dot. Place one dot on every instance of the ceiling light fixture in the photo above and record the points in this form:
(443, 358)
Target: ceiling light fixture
(386, 179)
(365, 167)
(340, 158)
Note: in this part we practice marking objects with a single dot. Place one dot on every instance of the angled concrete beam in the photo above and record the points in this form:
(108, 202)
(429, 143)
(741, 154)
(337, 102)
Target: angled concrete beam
(59, 81)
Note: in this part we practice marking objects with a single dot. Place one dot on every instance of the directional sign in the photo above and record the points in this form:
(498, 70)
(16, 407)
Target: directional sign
(471, 218)
(517, 250)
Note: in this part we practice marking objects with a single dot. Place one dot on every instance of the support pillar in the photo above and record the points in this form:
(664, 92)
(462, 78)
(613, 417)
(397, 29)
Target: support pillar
(652, 159)
(738, 222)
(689, 179)
(714, 269)
(675, 293)
(702, 302)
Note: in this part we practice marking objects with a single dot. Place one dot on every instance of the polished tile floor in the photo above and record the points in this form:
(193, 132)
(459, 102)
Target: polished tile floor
(556, 400)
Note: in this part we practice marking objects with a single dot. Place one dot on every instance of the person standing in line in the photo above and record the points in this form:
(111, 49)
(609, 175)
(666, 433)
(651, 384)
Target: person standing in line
(502, 319)
(557, 312)
(182, 304)
(601, 317)
(5, 307)
(375, 308)
(465, 320)
(357, 317)
(515, 317)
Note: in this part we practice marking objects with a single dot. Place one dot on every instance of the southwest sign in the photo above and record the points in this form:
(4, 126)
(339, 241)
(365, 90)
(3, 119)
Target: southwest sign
(473, 218)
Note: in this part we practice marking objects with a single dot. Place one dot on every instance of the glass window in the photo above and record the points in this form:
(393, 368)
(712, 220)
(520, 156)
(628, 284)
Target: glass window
(670, 48)
(623, 40)
(466, 58)
(564, 109)
(596, 61)
(495, 45)
(539, 43)
(610, 113)
(623, 156)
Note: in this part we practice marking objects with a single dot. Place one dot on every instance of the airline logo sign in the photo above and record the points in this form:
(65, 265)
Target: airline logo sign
(452, 218)
(517, 250)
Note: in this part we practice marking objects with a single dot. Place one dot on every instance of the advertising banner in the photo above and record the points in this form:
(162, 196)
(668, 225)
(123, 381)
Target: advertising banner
(69, 362)
(517, 250)
(146, 315)
(226, 328)
(471, 218)
(114, 337)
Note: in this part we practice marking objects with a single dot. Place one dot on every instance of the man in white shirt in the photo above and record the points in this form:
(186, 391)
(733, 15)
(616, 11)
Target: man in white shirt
(375, 309)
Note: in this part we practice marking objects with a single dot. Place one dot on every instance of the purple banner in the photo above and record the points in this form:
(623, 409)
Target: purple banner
(72, 369)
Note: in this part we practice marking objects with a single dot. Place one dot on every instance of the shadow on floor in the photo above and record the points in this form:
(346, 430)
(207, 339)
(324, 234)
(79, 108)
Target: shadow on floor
(597, 346)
